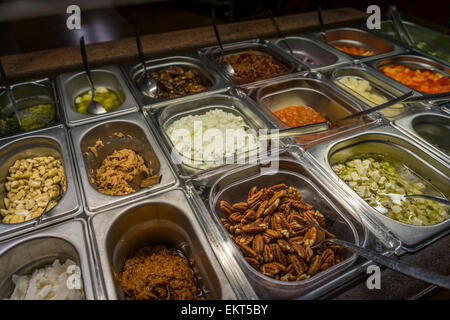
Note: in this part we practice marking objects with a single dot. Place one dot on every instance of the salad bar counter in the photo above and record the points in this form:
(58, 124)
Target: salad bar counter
(131, 204)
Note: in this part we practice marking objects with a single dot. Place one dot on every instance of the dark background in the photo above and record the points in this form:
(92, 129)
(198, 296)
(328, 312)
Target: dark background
(31, 25)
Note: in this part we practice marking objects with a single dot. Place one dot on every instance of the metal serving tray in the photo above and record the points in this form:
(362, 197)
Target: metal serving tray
(227, 103)
(304, 47)
(413, 61)
(360, 38)
(32, 93)
(214, 81)
(430, 127)
(313, 90)
(264, 47)
(141, 140)
(163, 219)
(233, 187)
(71, 85)
(68, 240)
(388, 89)
(387, 140)
(54, 142)
(419, 33)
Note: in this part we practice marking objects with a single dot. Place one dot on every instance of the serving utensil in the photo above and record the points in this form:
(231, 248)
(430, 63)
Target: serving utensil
(54, 198)
(399, 26)
(225, 65)
(402, 197)
(296, 131)
(279, 32)
(146, 82)
(94, 107)
(10, 94)
(322, 27)
(395, 264)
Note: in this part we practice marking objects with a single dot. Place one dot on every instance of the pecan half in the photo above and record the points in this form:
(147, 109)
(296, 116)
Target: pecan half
(253, 262)
(258, 244)
(244, 239)
(310, 237)
(271, 208)
(271, 269)
(314, 266)
(255, 227)
(225, 207)
(284, 245)
(267, 254)
(261, 209)
(278, 255)
(240, 206)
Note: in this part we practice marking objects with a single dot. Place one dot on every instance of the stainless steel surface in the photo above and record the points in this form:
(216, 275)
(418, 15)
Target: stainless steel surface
(315, 92)
(71, 85)
(141, 140)
(28, 94)
(387, 88)
(164, 219)
(54, 142)
(306, 48)
(68, 240)
(212, 54)
(212, 79)
(234, 186)
(226, 103)
(412, 61)
(430, 128)
(388, 141)
(360, 38)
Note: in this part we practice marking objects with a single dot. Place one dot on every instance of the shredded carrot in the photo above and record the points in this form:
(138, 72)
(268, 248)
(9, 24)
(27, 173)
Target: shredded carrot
(423, 80)
(297, 116)
(357, 51)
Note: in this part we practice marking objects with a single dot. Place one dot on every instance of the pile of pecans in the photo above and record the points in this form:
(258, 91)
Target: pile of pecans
(279, 234)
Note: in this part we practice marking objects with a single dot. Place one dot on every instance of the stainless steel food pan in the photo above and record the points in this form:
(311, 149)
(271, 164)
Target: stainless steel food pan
(137, 136)
(432, 38)
(210, 78)
(382, 87)
(359, 38)
(233, 187)
(305, 49)
(317, 93)
(431, 127)
(263, 47)
(49, 142)
(163, 219)
(29, 94)
(412, 61)
(226, 103)
(386, 140)
(68, 240)
(71, 85)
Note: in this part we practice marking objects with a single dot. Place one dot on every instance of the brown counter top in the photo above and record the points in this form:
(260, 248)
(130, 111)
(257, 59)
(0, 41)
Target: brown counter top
(56, 61)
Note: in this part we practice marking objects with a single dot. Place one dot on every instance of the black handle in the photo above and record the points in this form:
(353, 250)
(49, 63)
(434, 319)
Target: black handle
(319, 12)
(280, 33)
(379, 107)
(140, 50)
(213, 18)
(10, 93)
(398, 265)
(86, 65)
